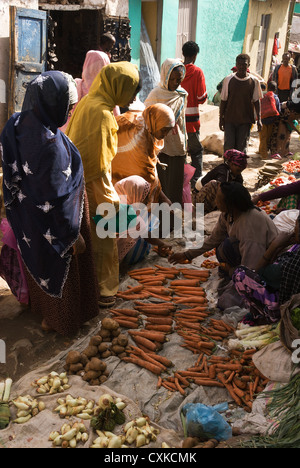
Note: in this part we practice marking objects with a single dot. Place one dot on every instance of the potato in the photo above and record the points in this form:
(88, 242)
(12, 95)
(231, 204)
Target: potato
(190, 442)
(103, 347)
(107, 340)
(116, 332)
(91, 375)
(104, 333)
(102, 379)
(95, 341)
(91, 351)
(73, 357)
(74, 368)
(109, 324)
(122, 340)
(106, 354)
(96, 365)
(114, 341)
(94, 382)
(118, 349)
(84, 359)
(122, 355)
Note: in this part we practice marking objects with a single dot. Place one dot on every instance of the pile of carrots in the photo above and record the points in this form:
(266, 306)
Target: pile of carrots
(200, 339)
(236, 373)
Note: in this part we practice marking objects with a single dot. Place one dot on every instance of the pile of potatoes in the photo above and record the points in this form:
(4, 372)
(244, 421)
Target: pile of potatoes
(88, 364)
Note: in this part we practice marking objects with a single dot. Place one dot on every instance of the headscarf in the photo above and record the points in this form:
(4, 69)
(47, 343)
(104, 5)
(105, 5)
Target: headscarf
(177, 100)
(93, 127)
(157, 117)
(95, 60)
(43, 182)
(133, 190)
(73, 93)
(236, 157)
(138, 148)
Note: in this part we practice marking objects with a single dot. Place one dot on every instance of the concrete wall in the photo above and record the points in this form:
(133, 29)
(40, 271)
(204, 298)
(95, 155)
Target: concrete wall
(135, 16)
(4, 50)
(169, 29)
(220, 34)
(279, 11)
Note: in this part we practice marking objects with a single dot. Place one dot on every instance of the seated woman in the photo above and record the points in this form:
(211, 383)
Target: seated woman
(242, 234)
(140, 139)
(136, 190)
(235, 162)
(274, 281)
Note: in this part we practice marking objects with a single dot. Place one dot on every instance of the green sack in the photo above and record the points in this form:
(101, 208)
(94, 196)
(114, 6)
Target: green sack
(126, 216)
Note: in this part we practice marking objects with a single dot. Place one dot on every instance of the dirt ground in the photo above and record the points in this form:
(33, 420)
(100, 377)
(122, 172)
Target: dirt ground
(28, 347)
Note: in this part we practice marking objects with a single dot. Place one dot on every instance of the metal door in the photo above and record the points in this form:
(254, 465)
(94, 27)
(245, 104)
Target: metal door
(28, 52)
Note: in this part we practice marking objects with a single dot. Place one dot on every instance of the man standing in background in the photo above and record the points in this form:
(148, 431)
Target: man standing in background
(284, 75)
(241, 94)
(194, 84)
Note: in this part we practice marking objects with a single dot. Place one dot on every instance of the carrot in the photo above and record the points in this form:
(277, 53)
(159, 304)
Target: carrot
(190, 300)
(193, 272)
(133, 289)
(144, 355)
(160, 291)
(169, 386)
(145, 342)
(178, 386)
(194, 282)
(160, 320)
(212, 372)
(139, 270)
(182, 379)
(145, 364)
(208, 383)
(162, 359)
(126, 324)
(130, 312)
(195, 326)
(205, 344)
(231, 375)
(159, 382)
(152, 283)
(238, 391)
(230, 389)
(150, 335)
(232, 367)
(162, 328)
(126, 318)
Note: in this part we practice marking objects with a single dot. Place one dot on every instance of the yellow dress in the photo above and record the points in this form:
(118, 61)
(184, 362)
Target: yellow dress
(93, 130)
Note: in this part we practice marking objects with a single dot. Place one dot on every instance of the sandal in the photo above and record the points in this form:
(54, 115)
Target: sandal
(107, 301)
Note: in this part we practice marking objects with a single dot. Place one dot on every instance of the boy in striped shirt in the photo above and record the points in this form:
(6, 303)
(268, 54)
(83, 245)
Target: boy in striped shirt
(194, 84)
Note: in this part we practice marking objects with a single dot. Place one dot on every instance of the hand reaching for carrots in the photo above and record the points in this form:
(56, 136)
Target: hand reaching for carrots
(178, 258)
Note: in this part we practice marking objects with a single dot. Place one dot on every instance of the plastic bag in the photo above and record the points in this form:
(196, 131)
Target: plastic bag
(11, 265)
(189, 171)
(206, 421)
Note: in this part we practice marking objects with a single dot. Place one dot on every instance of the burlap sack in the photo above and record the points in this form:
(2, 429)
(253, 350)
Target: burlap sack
(288, 333)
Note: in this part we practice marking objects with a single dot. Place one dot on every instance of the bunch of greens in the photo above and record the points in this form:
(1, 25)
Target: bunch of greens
(284, 407)
(108, 418)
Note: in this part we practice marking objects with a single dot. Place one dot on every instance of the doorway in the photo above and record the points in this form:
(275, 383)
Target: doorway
(265, 23)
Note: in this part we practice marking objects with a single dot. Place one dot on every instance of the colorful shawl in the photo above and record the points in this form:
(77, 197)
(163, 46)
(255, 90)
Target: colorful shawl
(176, 141)
(133, 190)
(93, 127)
(43, 182)
(138, 148)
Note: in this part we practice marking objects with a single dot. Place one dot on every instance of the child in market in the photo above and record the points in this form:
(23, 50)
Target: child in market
(270, 111)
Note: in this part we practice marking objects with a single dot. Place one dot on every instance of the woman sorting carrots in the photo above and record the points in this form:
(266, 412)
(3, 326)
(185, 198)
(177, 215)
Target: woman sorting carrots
(93, 129)
(242, 234)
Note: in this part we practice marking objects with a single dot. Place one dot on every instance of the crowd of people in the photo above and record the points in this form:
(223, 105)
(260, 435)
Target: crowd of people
(64, 157)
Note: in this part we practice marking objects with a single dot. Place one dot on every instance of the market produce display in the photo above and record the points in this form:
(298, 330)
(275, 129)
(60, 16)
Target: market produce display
(5, 388)
(52, 384)
(27, 407)
(69, 436)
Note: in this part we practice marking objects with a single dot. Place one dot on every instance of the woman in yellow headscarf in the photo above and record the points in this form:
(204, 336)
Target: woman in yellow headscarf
(93, 130)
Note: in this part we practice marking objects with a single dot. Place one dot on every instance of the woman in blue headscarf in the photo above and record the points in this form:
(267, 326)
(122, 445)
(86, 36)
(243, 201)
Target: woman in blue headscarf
(45, 201)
